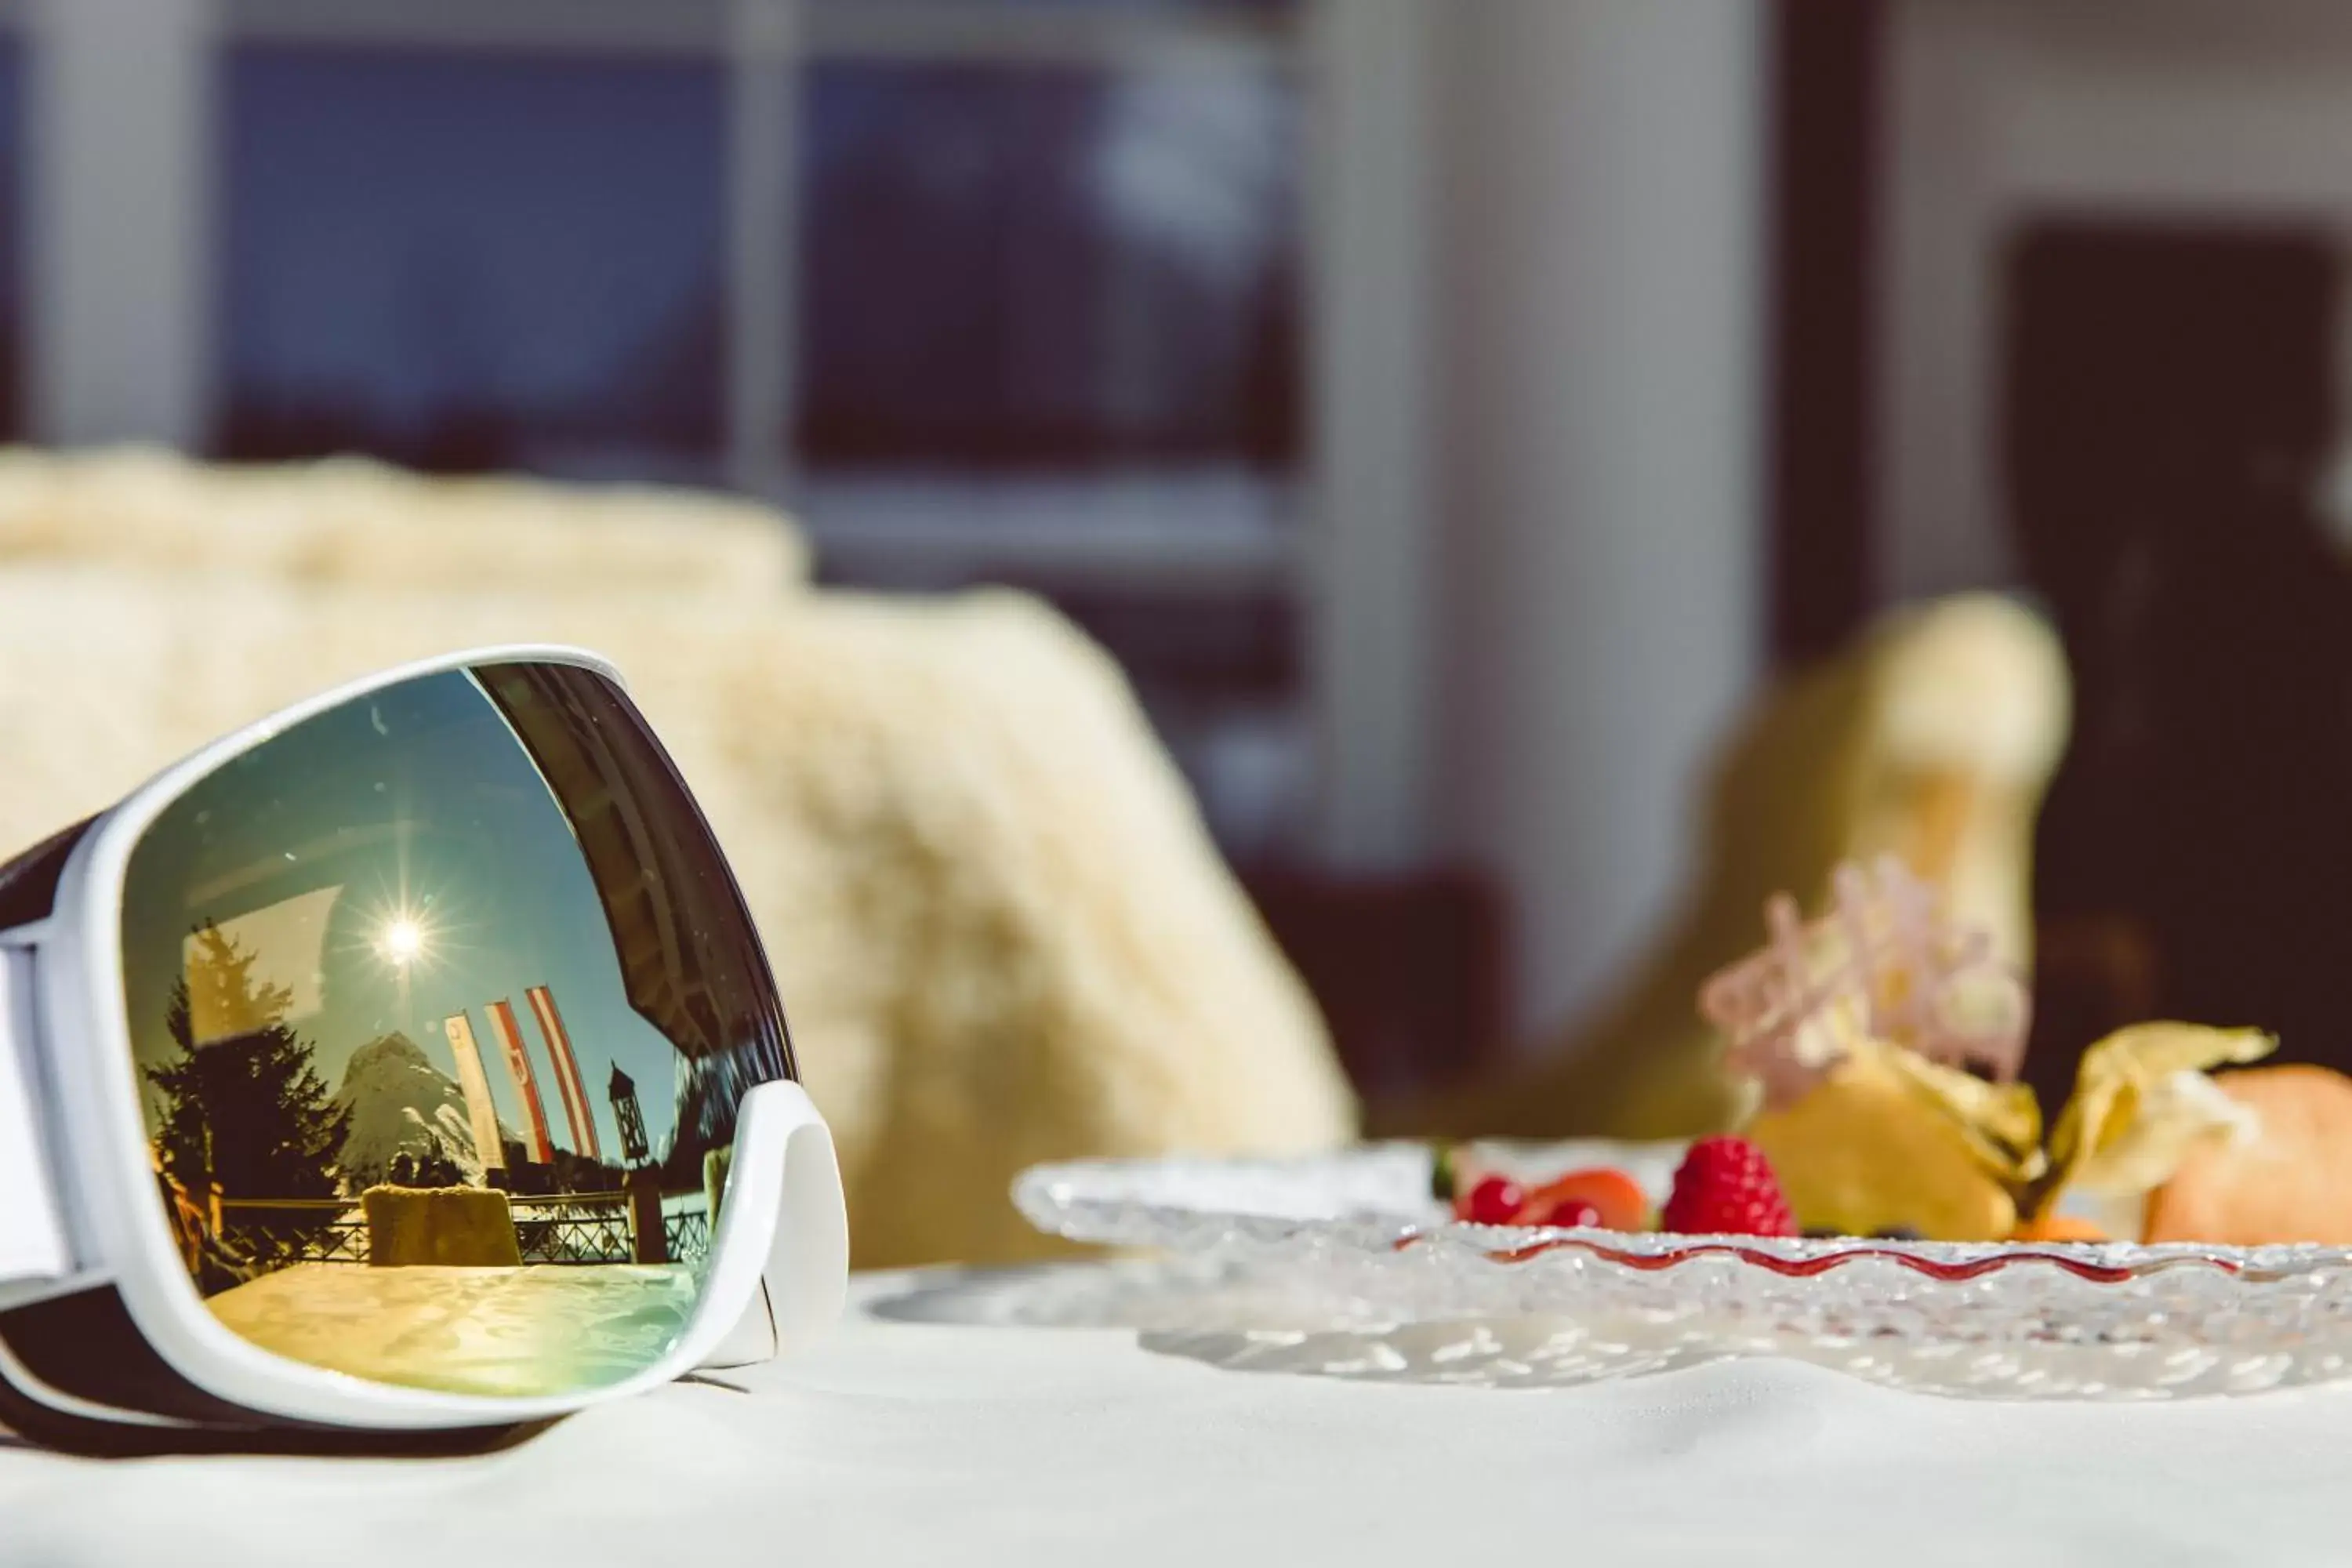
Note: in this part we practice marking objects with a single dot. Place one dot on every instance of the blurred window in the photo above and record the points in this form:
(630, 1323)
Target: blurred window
(463, 260)
(1197, 7)
(1048, 268)
(1031, 312)
(1049, 329)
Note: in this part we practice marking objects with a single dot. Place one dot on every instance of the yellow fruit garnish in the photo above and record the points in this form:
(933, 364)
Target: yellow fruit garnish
(1878, 1144)
(2141, 1102)
(2001, 1122)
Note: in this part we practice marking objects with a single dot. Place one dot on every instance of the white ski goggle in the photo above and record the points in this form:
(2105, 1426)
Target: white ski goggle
(405, 1063)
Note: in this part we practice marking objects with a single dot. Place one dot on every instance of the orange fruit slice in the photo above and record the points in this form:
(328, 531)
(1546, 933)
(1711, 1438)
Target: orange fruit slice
(2059, 1227)
(1618, 1198)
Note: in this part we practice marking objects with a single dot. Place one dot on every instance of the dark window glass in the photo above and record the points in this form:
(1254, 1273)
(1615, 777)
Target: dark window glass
(1049, 266)
(1209, 8)
(473, 260)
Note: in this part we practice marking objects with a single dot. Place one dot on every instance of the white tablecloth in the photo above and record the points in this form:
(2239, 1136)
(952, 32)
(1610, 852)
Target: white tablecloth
(943, 1442)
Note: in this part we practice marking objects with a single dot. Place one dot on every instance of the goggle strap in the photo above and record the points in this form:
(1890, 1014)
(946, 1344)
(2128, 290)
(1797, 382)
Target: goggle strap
(33, 1243)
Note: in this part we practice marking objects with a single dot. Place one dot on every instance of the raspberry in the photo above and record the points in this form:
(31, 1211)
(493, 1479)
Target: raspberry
(1725, 1187)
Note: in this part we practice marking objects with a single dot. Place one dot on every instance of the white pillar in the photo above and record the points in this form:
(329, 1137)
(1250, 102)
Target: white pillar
(1370, 563)
(763, 252)
(1941, 525)
(1603, 265)
(122, 298)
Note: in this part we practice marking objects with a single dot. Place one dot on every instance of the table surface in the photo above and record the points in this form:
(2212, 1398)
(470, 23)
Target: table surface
(915, 1435)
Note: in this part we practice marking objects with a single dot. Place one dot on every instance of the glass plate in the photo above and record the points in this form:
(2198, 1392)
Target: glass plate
(1358, 1229)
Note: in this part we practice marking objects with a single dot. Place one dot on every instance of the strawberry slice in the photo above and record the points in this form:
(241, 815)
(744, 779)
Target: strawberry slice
(1495, 1200)
(1610, 1199)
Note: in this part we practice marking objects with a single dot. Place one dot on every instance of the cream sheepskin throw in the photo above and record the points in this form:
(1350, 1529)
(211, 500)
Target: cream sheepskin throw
(1003, 932)
(350, 520)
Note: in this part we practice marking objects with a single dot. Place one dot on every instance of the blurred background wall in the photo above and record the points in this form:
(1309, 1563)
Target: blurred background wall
(1448, 413)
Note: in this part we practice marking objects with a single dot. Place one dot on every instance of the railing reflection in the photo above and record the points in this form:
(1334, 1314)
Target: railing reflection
(267, 1234)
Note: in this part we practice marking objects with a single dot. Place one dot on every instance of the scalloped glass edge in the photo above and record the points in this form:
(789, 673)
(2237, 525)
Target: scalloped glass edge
(1359, 1226)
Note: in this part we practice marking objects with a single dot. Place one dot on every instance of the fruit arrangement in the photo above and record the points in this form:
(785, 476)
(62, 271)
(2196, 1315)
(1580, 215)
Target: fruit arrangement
(1725, 1187)
(1601, 1198)
(1882, 1046)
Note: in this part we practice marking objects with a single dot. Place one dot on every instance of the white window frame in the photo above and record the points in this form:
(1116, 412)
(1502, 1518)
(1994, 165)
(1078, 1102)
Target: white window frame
(122, 298)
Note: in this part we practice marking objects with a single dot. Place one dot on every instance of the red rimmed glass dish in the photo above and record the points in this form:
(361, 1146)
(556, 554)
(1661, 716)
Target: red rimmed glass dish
(1360, 1230)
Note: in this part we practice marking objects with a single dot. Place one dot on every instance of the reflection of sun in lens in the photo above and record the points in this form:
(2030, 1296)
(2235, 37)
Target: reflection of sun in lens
(403, 941)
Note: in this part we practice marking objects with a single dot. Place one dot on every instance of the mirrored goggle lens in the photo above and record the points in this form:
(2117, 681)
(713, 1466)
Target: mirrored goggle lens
(443, 1003)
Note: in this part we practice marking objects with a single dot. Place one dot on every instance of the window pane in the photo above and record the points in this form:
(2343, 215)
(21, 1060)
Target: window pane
(1050, 312)
(1024, 266)
(1209, 8)
(464, 261)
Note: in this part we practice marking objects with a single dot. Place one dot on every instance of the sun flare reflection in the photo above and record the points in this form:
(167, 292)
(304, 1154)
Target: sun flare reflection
(403, 941)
